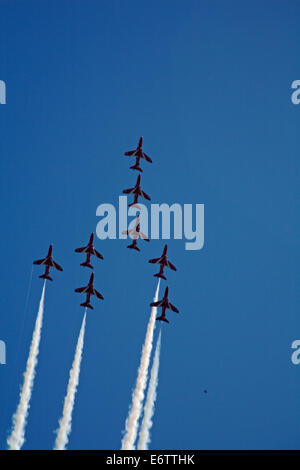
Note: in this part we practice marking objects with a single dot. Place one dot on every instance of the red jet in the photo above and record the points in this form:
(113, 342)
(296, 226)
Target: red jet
(137, 191)
(49, 263)
(164, 304)
(138, 154)
(89, 290)
(135, 235)
(163, 261)
(89, 250)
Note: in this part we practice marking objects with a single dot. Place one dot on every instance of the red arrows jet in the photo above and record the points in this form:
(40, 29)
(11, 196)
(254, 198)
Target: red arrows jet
(164, 304)
(89, 290)
(137, 191)
(163, 261)
(138, 154)
(49, 263)
(89, 250)
(135, 235)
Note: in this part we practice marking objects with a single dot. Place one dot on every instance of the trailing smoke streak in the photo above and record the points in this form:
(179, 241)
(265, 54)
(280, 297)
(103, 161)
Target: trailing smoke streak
(17, 437)
(144, 439)
(65, 423)
(132, 421)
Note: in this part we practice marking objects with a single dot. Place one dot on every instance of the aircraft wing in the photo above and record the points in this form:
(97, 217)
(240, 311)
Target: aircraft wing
(81, 289)
(96, 253)
(130, 153)
(145, 195)
(172, 307)
(143, 237)
(81, 250)
(57, 266)
(129, 191)
(146, 157)
(40, 261)
(170, 265)
(154, 260)
(97, 294)
(157, 304)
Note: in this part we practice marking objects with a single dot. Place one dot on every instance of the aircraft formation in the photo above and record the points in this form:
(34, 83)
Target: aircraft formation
(134, 233)
(89, 290)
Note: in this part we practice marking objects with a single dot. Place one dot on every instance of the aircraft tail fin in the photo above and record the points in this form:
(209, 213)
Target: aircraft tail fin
(46, 276)
(133, 247)
(160, 275)
(88, 265)
(136, 167)
(161, 318)
(87, 305)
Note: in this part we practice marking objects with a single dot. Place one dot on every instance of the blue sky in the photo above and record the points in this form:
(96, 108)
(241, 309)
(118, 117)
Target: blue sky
(208, 86)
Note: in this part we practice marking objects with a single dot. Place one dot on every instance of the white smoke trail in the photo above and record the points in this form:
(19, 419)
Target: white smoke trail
(135, 411)
(147, 422)
(17, 437)
(65, 423)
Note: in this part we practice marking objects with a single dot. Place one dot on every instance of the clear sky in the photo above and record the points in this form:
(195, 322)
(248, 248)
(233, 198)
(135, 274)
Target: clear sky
(208, 85)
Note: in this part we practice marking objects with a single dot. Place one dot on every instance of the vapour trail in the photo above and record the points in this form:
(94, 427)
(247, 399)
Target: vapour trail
(144, 438)
(65, 423)
(17, 436)
(132, 421)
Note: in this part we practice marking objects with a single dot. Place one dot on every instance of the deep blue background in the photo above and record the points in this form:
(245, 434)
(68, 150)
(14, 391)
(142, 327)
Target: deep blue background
(208, 86)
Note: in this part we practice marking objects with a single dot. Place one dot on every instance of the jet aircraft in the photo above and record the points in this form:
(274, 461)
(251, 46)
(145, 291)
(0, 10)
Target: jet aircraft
(137, 191)
(163, 261)
(138, 153)
(89, 290)
(48, 262)
(164, 304)
(135, 234)
(89, 250)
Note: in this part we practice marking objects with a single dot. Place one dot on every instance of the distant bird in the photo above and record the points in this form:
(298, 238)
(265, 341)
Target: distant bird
(49, 263)
(138, 153)
(89, 250)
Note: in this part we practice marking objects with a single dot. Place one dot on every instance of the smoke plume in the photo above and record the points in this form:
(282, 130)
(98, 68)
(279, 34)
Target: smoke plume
(135, 411)
(65, 423)
(17, 436)
(144, 438)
